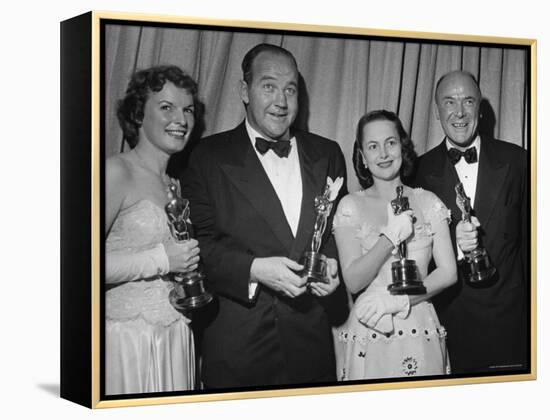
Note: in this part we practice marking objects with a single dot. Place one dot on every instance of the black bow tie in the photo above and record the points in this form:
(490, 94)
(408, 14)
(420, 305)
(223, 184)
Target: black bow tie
(470, 155)
(281, 148)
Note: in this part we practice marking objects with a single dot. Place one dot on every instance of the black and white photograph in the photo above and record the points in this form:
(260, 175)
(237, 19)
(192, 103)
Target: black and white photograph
(351, 226)
(286, 209)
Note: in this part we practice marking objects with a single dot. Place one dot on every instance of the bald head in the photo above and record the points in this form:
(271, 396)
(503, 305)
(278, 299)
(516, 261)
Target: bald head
(458, 98)
(456, 75)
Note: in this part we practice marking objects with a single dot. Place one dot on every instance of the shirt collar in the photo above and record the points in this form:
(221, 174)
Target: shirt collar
(476, 143)
(252, 134)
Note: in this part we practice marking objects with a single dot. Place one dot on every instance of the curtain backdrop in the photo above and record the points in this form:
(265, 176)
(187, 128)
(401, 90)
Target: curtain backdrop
(341, 80)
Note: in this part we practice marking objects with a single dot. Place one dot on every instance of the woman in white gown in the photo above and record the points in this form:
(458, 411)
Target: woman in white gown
(390, 335)
(148, 344)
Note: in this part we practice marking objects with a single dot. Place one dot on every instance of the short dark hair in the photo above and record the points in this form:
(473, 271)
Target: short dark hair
(249, 57)
(130, 108)
(465, 73)
(407, 147)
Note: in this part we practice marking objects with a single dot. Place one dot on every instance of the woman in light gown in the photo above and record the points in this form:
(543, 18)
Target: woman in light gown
(388, 335)
(148, 344)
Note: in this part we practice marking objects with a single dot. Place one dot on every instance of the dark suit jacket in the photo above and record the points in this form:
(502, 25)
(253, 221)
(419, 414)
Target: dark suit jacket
(486, 324)
(237, 216)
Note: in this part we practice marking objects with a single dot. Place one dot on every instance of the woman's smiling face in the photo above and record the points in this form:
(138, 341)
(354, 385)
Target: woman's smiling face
(168, 118)
(381, 149)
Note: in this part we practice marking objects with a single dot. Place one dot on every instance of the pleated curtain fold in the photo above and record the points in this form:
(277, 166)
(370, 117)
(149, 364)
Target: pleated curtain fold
(342, 79)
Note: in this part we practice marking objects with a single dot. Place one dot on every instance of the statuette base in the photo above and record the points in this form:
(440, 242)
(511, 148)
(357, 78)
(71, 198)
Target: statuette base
(315, 267)
(405, 279)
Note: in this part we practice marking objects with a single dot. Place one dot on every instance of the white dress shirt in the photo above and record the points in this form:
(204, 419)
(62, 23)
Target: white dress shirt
(467, 174)
(285, 176)
(286, 179)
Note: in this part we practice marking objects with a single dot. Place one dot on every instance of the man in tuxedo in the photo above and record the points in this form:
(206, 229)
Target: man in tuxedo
(486, 321)
(252, 192)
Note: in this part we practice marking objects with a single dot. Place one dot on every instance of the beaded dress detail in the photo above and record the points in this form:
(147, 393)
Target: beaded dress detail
(148, 344)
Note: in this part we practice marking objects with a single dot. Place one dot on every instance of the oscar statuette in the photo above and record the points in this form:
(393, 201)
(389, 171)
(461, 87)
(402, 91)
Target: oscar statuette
(315, 263)
(189, 292)
(404, 271)
(477, 267)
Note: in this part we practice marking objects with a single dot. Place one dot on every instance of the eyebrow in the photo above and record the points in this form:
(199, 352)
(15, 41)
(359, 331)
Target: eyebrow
(192, 105)
(384, 140)
(268, 77)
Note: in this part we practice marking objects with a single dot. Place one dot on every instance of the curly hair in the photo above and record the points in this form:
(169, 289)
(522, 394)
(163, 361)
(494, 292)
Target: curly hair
(407, 147)
(130, 109)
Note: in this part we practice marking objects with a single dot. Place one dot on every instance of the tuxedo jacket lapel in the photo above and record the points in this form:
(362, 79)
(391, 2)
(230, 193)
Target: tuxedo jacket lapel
(247, 174)
(313, 170)
(443, 178)
(491, 177)
(490, 180)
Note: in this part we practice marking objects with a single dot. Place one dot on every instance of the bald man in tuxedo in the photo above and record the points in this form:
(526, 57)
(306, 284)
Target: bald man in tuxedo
(252, 191)
(486, 322)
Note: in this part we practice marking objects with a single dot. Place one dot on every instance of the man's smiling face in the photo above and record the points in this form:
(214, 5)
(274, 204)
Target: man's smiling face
(271, 97)
(458, 99)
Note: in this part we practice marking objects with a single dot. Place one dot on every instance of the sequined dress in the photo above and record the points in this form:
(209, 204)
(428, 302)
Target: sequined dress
(397, 347)
(148, 344)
